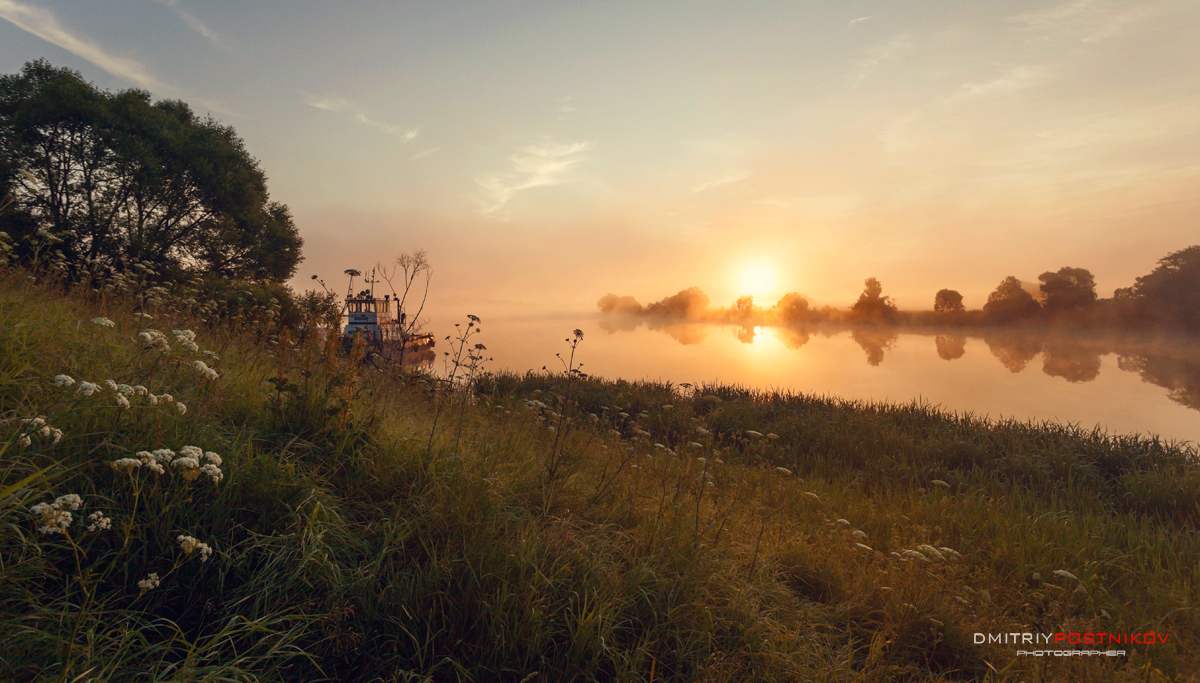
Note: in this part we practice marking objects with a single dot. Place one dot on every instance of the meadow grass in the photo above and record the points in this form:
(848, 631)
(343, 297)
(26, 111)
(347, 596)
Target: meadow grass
(376, 524)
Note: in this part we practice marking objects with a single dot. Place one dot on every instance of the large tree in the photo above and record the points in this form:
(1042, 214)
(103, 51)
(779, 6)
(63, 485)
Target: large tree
(1170, 294)
(948, 301)
(871, 304)
(1068, 290)
(120, 179)
(1010, 302)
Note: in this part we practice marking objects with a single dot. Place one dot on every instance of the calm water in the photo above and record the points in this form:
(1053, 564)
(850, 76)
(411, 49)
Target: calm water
(1122, 383)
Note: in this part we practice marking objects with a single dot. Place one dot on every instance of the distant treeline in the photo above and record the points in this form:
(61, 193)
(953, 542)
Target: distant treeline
(1168, 298)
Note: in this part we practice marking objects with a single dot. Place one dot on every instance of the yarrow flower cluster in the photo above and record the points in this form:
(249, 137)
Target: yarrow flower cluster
(186, 339)
(208, 372)
(190, 544)
(149, 583)
(104, 322)
(38, 426)
(99, 522)
(54, 518)
(192, 462)
(154, 339)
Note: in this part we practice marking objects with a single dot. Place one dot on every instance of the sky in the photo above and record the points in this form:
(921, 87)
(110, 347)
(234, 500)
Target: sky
(546, 153)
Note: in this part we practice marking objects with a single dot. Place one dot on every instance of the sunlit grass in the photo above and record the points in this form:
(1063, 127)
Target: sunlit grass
(375, 524)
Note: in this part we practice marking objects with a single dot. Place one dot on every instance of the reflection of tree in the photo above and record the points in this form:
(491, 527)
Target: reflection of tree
(745, 334)
(1012, 349)
(1179, 376)
(875, 341)
(619, 323)
(1072, 361)
(950, 346)
(684, 333)
(792, 337)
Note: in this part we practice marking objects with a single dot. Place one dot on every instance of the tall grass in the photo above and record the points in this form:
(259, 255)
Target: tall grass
(378, 524)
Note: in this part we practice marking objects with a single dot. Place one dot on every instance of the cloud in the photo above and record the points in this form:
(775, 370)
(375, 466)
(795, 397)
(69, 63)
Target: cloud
(41, 23)
(1016, 79)
(1084, 20)
(426, 153)
(341, 104)
(538, 165)
(720, 181)
(879, 54)
(863, 19)
(193, 22)
(404, 134)
(326, 103)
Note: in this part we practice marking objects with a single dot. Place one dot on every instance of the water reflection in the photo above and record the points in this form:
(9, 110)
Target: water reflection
(1075, 357)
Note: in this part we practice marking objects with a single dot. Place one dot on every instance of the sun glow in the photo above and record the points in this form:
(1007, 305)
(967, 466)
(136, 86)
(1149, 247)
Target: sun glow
(758, 280)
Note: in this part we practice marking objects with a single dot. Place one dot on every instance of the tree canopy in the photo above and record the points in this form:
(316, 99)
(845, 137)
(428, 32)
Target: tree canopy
(871, 303)
(1170, 294)
(1068, 290)
(119, 180)
(1010, 302)
(948, 301)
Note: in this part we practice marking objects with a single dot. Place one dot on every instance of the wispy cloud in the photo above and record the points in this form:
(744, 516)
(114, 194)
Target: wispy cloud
(341, 104)
(193, 22)
(404, 134)
(1085, 20)
(862, 19)
(540, 165)
(1013, 80)
(702, 187)
(879, 54)
(43, 24)
(325, 102)
(425, 153)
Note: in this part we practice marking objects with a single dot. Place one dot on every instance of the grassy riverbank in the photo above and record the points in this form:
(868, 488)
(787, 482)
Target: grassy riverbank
(368, 525)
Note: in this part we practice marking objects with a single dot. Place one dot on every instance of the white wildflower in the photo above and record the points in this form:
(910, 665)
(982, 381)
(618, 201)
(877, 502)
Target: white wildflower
(190, 544)
(53, 518)
(951, 552)
(693, 444)
(104, 322)
(87, 388)
(212, 355)
(150, 582)
(57, 434)
(1065, 574)
(189, 467)
(772, 436)
(865, 547)
(212, 472)
(702, 431)
(125, 465)
(191, 452)
(753, 433)
(166, 398)
(25, 441)
(181, 407)
(812, 495)
(932, 552)
(843, 522)
(125, 390)
(784, 471)
(204, 369)
(184, 335)
(110, 384)
(63, 381)
(152, 399)
(140, 390)
(939, 482)
(44, 431)
(859, 533)
(122, 401)
(190, 346)
(915, 554)
(213, 458)
(99, 522)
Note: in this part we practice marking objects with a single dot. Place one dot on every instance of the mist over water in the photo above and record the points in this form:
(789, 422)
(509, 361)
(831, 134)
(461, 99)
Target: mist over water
(1119, 382)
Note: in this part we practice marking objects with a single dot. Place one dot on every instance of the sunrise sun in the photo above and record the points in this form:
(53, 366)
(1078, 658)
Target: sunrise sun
(757, 280)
